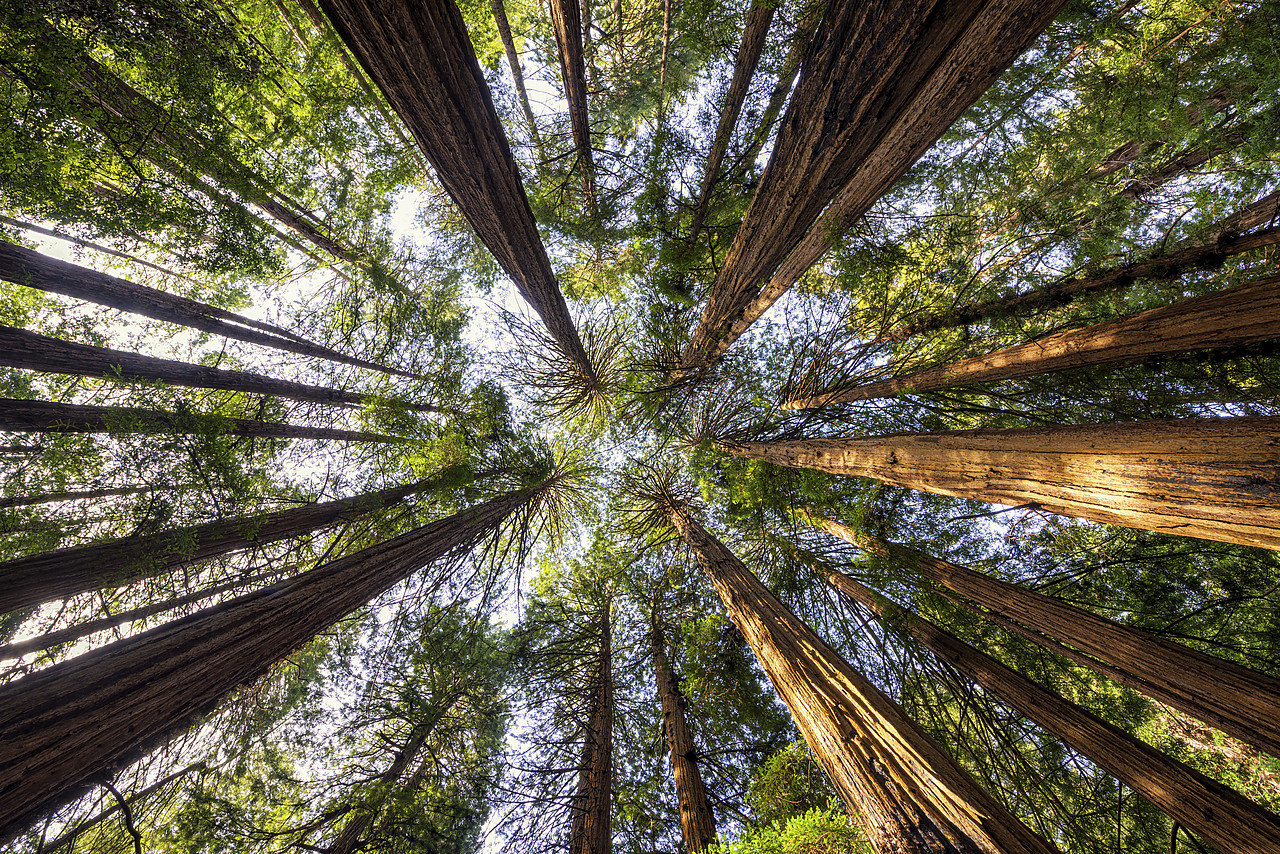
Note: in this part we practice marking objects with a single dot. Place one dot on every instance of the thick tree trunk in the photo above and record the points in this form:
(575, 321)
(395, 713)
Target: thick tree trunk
(1213, 478)
(25, 267)
(1216, 812)
(878, 86)
(566, 20)
(755, 29)
(40, 416)
(913, 797)
(697, 822)
(1239, 701)
(513, 60)
(591, 828)
(420, 56)
(1237, 317)
(65, 727)
(65, 572)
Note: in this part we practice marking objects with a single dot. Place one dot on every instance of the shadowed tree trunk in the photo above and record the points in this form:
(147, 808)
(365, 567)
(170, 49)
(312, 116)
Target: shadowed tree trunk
(878, 86)
(566, 20)
(912, 796)
(20, 348)
(1221, 815)
(1237, 317)
(72, 495)
(66, 726)
(25, 267)
(1239, 701)
(754, 32)
(40, 416)
(513, 60)
(420, 56)
(65, 572)
(1213, 478)
(591, 830)
(697, 822)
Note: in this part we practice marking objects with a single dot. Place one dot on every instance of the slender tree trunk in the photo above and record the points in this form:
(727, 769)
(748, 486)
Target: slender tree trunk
(419, 54)
(591, 831)
(39, 416)
(62, 728)
(1213, 478)
(755, 29)
(25, 267)
(912, 796)
(71, 495)
(513, 60)
(566, 20)
(1219, 814)
(1237, 317)
(1239, 701)
(65, 572)
(879, 85)
(666, 55)
(106, 250)
(697, 822)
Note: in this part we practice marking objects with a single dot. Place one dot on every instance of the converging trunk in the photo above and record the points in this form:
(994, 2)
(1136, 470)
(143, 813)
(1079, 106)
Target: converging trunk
(914, 799)
(1239, 701)
(566, 20)
(591, 829)
(1213, 478)
(513, 61)
(1221, 815)
(65, 727)
(72, 494)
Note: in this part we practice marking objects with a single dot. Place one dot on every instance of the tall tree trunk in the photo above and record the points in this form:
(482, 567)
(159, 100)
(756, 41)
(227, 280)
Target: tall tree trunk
(1218, 813)
(23, 266)
(20, 348)
(591, 828)
(1237, 317)
(878, 86)
(566, 20)
(697, 822)
(65, 572)
(912, 796)
(71, 495)
(66, 726)
(1213, 478)
(513, 60)
(106, 250)
(420, 56)
(755, 30)
(1239, 701)
(40, 416)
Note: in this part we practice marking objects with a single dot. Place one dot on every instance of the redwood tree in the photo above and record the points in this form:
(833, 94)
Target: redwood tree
(591, 829)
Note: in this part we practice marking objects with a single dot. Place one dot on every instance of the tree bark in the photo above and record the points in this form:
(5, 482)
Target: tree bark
(1239, 701)
(566, 20)
(23, 266)
(755, 29)
(513, 60)
(911, 795)
(71, 495)
(878, 86)
(697, 822)
(40, 416)
(1237, 317)
(1221, 815)
(64, 727)
(591, 829)
(65, 572)
(1213, 478)
(420, 56)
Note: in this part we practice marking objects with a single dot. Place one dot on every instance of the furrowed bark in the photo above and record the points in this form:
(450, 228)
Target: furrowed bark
(1212, 478)
(40, 416)
(1216, 812)
(1237, 700)
(513, 60)
(23, 266)
(1237, 317)
(912, 796)
(420, 56)
(697, 822)
(591, 830)
(878, 86)
(66, 726)
(65, 572)
(755, 29)
(566, 20)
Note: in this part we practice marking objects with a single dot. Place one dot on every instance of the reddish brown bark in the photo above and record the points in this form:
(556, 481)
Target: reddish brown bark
(65, 727)
(591, 829)
(1213, 478)
(566, 20)
(1237, 317)
(1219, 814)
(879, 85)
(911, 795)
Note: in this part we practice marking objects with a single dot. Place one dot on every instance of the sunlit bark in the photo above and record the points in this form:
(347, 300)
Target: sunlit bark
(591, 829)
